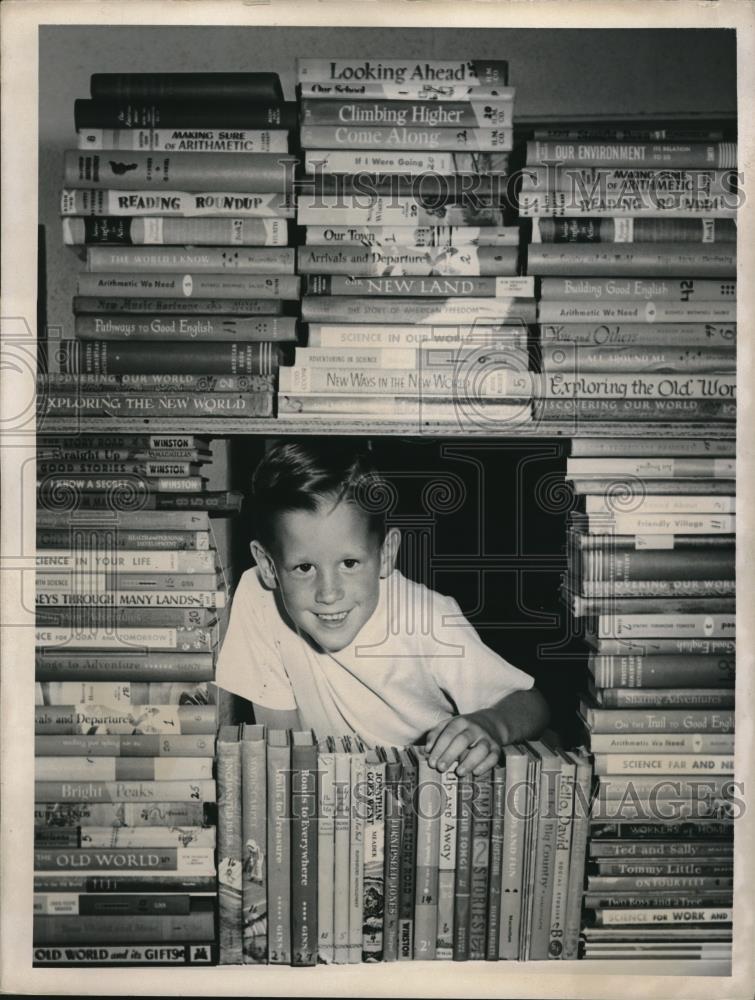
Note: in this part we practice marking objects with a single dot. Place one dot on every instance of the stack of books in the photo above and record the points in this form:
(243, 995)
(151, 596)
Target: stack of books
(349, 855)
(129, 599)
(651, 565)
(635, 243)
(411, 292)
(178, 197)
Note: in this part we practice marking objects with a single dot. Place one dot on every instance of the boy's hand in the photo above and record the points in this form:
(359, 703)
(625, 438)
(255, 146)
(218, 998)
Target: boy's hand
(469, 740)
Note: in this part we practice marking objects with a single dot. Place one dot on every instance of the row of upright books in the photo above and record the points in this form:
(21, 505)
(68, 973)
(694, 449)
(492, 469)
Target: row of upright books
(328, 852)
(650, 584)
(130, 597)
(179, 197)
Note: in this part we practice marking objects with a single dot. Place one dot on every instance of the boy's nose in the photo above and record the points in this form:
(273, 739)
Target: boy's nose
(329, 589)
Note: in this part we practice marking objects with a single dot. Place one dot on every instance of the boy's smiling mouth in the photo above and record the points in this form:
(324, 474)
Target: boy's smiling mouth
(332, 617)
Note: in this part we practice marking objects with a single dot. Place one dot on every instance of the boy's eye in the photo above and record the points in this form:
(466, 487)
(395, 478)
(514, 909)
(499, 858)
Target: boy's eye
(351, 563)
(303, 568)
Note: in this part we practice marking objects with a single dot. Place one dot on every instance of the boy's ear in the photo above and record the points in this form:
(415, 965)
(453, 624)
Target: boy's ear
(265, 564)
(389, 551)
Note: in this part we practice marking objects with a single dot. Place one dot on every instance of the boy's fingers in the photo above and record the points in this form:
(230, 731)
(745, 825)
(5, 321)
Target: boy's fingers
(452, 751)
(475, 756)
(490, 761)
(445, 733)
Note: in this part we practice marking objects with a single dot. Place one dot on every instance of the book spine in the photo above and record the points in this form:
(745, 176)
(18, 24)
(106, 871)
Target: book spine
(120, 814)
(618, 359)
(148, 746)
(226, 404)
(430, 797)
(263, 306)
(412, 236)
(203, 790)
(408, 874)
(660, 883)
(356, 856)
(381, 210)
(122, 769)
(175, 859)
(545, 870)
(662, 626)
(341, 861)
(78, 637)
(326, 857)
(480, 864)
(636, 204)
(585, 182)
(631, 311)
(580, 833)
(330, 271)
(304, 818)
(661, 671)
(136, 113)
(374, 860)
(632, 230)
(367, 337)
(711, 155)
(101, 929)
(444, 164)
(408, 113)
(406, 137)
(643, 289)
(165, 667)
(640, 260)
(566, 812)
(116, 326)
(603, 720)
(628, 334)
(652, 467)
(444, 947)
(335, 284)
(513, 850)
(95, 230)
(72, 904)
(716, 848)
(102, 357)
(251, 87)
(279, 854)
(204, 264)
(700, 915)
(666, 697)
(165, 561)
(71, 719)
(425, 312)
(174, 204)
(463, 884)
(496, 864)
(446, 383)
(155, 954)
(261, 173)
(169, 140)
(476, 72)
(141, 521)
(392, 871)
(635, 409)
(556, 385)
(124, 837)
(637, 743)
(102, 638)
(254, 840)
(170, 284)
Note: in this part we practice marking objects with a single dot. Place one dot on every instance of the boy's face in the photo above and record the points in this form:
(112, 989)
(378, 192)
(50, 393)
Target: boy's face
(328, 565)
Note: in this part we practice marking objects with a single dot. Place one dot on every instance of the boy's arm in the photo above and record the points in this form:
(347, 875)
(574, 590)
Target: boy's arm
(475, 739)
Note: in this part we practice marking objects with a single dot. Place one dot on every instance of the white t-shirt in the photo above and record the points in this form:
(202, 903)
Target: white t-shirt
(415, 662)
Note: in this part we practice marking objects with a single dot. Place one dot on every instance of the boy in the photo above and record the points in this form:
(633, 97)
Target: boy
(326, 634)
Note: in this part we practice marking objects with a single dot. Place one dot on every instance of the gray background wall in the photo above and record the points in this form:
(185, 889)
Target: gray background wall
(557, 73)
